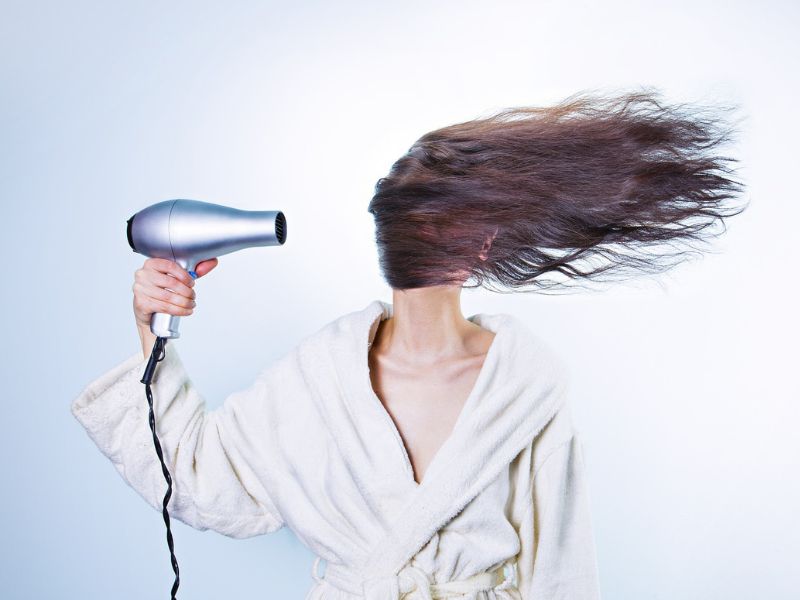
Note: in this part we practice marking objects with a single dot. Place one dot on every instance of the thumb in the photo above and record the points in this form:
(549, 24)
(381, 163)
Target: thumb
(204, 267)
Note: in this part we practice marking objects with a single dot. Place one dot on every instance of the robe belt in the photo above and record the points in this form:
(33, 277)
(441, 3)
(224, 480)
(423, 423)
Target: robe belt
(412, 583)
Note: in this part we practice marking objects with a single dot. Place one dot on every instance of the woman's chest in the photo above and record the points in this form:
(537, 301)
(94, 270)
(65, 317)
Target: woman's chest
(424, 405)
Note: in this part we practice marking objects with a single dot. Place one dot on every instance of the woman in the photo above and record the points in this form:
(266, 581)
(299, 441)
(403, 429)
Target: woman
(422, 454)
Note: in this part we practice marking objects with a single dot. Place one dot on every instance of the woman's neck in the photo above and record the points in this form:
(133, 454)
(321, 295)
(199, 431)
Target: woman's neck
(426, 325)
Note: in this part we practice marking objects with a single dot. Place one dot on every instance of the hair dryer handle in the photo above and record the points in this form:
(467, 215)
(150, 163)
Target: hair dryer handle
(166, 325)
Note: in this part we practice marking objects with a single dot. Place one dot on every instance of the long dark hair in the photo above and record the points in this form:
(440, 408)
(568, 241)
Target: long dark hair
(592, 188)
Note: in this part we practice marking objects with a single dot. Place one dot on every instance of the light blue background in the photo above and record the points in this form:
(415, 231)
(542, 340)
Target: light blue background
(684, 389)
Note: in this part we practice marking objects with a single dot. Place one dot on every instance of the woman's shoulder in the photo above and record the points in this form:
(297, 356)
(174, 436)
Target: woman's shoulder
(353, 322)
(337, 337)
(560, 430)
(536, 342)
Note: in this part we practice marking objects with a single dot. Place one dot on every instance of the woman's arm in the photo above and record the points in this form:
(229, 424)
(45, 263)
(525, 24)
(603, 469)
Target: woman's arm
(214, 466)
(214, 458)
(148, 339)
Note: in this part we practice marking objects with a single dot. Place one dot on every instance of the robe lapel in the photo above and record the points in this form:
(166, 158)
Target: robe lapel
(330, 361)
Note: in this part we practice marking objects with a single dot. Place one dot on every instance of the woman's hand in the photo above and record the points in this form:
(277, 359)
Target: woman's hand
(163, 286)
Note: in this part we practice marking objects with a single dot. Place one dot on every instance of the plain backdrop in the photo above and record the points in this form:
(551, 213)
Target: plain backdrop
(683, 386)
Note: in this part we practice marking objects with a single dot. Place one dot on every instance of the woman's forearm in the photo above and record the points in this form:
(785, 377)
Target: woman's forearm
(147, 338)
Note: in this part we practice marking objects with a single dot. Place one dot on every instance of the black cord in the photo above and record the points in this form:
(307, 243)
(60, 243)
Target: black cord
(156, 356)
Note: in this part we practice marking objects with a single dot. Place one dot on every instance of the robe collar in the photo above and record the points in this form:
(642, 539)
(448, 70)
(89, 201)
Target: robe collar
(520, 387)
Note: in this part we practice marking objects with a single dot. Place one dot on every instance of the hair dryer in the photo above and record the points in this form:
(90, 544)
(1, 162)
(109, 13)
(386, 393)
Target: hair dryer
(189, 231)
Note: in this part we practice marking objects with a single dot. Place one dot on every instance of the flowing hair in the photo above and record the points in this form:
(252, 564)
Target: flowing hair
(594, 188)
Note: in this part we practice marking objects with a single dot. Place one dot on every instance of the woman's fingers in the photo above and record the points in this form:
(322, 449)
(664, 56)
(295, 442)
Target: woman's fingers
(147, 305)
(157, 279)
(167, 296)
(162, 286)
(168, 267)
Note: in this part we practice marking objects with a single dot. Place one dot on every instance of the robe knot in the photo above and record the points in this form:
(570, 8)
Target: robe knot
(412, 583)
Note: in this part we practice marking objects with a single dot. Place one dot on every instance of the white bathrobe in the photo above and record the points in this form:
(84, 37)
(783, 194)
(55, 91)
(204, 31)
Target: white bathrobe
(502, 512)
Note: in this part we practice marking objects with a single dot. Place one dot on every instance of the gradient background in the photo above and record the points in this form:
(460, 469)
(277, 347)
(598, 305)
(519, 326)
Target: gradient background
(683, 386)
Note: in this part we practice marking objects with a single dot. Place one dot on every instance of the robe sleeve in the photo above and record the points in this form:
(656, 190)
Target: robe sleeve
(557, 559)
(211, 456)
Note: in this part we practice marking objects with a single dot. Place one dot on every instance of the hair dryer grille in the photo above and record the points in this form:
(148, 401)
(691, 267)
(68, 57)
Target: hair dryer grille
(280, 227)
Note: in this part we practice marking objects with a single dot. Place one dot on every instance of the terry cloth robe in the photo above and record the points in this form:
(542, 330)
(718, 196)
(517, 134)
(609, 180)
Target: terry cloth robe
(502, 511)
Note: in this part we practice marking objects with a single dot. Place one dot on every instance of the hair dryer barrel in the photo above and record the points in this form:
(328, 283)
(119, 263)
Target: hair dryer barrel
(189, 231)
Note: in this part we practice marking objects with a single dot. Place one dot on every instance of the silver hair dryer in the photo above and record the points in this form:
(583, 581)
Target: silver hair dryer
(189, 231)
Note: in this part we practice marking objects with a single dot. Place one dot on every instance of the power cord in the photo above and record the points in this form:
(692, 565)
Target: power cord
(156, 356)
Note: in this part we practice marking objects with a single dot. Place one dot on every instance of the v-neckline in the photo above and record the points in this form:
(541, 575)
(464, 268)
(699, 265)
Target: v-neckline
(482, 374)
